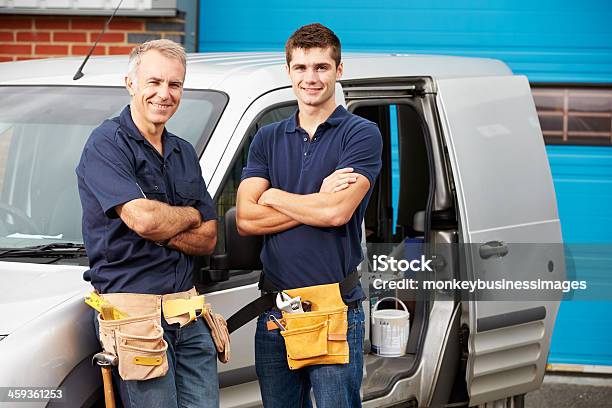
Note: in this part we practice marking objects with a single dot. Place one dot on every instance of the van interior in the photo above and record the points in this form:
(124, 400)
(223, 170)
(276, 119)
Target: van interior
(395, 215)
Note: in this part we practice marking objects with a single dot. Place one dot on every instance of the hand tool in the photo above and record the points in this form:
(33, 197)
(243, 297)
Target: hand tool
(104, 307)
(288, 304)
(277, 322)
(106, 361)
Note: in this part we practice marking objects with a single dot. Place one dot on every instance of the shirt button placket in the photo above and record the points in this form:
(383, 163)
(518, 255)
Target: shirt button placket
(306, 147)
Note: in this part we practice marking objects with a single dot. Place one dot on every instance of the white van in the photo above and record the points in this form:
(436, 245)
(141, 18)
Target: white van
(472, 169)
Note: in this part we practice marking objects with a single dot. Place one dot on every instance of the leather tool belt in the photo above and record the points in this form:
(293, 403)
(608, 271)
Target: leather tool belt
(314, 337)
(137, 340)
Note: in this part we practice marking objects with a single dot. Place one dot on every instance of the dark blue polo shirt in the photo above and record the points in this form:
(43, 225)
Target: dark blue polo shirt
(283, 154)
(119, 165)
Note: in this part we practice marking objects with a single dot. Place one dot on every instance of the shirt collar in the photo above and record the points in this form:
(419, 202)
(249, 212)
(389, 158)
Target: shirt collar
(125, 118)
(337, 116)
(292, 122)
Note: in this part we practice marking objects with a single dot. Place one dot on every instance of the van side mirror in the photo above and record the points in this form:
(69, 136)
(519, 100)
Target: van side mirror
(241, 253)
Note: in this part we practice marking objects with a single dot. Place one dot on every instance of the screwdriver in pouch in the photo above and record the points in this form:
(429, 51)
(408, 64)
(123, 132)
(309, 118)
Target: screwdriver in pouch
(277, 322)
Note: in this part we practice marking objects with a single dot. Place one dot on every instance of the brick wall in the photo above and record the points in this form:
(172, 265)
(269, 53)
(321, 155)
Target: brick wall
(28, 37)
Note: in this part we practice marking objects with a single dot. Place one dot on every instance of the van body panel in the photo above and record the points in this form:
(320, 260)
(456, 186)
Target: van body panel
(259, 71)
(498, 148)
(505, 195)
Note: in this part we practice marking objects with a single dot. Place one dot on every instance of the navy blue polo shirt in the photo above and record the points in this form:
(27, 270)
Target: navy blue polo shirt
(119, 165)
(283, 154)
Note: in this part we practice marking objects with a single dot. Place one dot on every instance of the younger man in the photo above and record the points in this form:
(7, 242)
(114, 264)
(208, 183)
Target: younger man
(306, 186)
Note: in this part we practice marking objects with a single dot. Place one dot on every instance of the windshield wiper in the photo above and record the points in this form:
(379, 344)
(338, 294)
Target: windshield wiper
(57, 246)
(56, 249)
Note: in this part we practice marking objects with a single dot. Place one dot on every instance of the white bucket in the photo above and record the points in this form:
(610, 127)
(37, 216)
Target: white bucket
(390, 329)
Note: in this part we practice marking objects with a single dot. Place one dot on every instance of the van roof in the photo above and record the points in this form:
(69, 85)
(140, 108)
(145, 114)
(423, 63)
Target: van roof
(253, 72)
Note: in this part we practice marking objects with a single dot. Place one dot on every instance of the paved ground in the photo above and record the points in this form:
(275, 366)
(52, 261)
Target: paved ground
(572, 391)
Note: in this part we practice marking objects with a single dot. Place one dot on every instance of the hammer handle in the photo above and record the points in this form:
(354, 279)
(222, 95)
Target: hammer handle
(107, 378)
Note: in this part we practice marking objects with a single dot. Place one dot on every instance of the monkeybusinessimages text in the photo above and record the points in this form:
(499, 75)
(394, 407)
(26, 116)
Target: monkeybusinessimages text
(388, 264)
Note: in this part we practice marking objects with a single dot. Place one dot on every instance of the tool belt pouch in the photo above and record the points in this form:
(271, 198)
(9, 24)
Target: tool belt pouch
(318, 336)
(218, 330)
(137, 340)
(185, 307)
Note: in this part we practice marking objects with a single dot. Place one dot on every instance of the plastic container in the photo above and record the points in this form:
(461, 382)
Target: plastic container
(390, 329)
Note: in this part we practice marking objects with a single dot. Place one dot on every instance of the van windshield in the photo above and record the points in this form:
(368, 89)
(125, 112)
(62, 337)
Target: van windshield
(42, 132)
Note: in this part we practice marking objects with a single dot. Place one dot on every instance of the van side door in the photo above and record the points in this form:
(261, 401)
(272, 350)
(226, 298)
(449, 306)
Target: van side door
(506, 199)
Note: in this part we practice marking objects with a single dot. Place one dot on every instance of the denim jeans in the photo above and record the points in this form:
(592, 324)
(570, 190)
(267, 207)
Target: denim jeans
(191, 380)
(333, 385)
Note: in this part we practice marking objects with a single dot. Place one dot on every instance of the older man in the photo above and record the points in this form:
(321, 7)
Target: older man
(146, 214)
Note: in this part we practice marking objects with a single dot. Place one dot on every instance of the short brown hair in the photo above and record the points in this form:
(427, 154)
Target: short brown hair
(313, 36)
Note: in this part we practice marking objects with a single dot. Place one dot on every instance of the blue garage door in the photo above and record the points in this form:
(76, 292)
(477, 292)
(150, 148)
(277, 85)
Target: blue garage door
(583, 184)
(550, 41)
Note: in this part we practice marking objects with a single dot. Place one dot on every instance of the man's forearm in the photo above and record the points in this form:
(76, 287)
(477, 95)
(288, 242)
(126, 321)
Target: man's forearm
(323, 209)
(255, 219)
(196, 241)
(317, 209)
(158, 221)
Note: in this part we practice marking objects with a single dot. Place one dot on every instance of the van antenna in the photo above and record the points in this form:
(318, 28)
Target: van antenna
(79, 74)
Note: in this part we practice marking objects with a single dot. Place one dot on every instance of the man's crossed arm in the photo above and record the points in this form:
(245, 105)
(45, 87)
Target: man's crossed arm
(182, 227)
(263, 210)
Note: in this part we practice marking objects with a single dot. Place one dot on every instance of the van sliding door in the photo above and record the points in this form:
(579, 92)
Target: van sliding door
(505, 197)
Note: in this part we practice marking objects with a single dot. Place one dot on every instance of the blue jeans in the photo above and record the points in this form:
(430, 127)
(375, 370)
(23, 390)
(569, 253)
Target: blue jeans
(333, 385)
(191, 380)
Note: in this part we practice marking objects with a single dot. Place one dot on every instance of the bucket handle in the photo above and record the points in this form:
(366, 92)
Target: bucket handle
(390, 298)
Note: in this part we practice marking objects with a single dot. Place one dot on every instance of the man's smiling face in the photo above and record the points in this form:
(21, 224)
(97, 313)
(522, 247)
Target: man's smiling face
(157, 90)
(313, 75)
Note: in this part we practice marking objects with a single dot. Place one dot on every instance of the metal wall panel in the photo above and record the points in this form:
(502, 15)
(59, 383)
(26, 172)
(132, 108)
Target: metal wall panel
(583, 183)
(547, 40)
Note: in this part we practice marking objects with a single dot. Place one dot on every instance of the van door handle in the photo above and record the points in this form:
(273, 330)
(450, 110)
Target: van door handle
(493, 248)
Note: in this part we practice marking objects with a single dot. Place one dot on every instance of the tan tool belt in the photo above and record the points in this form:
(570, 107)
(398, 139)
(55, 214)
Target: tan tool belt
(318, 336)
(138, 340)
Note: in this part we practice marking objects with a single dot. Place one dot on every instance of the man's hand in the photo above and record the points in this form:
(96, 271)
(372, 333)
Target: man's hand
(196, 241)
(157, 221)
(338, 180)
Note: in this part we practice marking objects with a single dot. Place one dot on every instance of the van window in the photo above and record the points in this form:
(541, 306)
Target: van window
(227, 198)
(42, 133)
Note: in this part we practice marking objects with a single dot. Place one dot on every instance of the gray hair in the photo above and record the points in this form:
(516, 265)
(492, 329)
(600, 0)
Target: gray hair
(167, 48)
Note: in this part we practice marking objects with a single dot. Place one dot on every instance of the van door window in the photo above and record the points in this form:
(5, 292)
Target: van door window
(227, 198)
